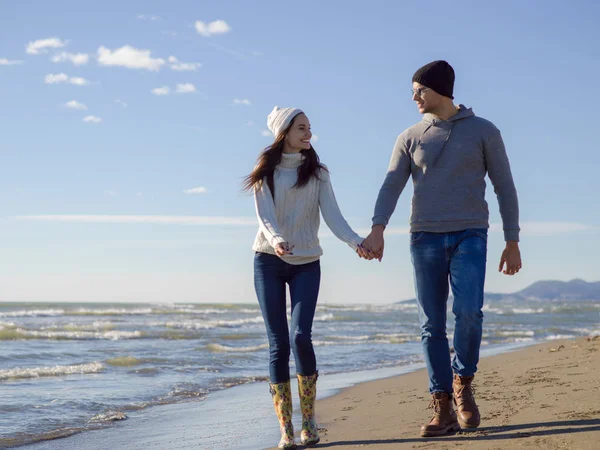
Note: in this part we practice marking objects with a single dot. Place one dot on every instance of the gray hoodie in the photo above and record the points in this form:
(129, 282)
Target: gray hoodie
(448, 161)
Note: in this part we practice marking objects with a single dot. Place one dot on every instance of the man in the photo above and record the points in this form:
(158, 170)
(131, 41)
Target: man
(448, 155)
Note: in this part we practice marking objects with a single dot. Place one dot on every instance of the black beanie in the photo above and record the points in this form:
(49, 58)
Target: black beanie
(437, 75)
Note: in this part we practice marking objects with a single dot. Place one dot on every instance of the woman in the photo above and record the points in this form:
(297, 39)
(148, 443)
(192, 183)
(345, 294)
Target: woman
(290, 187)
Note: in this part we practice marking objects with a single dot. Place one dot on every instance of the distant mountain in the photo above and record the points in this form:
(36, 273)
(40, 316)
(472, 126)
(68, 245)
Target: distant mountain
(573, 290)
(562, 290)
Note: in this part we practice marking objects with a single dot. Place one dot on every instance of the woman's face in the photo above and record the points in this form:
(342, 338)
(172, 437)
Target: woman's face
(298, 136)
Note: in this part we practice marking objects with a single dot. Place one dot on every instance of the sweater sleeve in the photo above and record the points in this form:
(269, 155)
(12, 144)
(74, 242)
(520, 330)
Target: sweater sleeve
(267, 217)
(333, 216)
(394, 183)
(498, 168)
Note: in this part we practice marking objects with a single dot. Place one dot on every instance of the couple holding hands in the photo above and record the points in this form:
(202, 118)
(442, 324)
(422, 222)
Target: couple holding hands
(448, 155)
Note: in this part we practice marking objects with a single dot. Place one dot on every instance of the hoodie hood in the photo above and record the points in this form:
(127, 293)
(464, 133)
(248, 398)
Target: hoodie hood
(463, 113)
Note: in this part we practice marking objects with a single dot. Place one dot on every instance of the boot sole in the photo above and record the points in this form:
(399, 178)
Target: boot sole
(452, 428)
(466, 425)
(309, 443)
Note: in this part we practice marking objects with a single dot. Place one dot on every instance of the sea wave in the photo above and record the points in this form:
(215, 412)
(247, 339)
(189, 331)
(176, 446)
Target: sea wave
(209, 324)
(220, 348)
(104, 325)
(517, 333)
(10, 334)
(409, 305)
(555, 337)
(109, 416)
(124, 361)
(50, 371)
(33, 313)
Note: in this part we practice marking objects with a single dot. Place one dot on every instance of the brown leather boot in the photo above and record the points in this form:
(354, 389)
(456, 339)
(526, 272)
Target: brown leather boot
(444, 417)
(468, 413)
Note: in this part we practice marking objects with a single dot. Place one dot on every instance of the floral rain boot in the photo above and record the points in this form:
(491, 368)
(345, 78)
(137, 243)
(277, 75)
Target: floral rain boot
(282, 401)
(307, 388)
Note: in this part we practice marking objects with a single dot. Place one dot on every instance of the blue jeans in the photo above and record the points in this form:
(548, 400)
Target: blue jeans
(271, 274)
(459, 257)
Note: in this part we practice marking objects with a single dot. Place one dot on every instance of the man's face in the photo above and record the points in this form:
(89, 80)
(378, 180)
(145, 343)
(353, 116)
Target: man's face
(427, 99)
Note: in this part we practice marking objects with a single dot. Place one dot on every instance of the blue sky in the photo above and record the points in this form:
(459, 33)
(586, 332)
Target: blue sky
(127, 127)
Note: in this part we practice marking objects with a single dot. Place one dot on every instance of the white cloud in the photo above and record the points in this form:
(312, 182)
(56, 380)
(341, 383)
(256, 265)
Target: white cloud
(42, 45)
(266, 133)
(181, 66)
(257, 53)
(129, 57)
(121, 103)
(56, 78)
(111, 193)
(148, 17)
(92, 119)
(6, 62)
(64, 78)
(161, 90)
(74, 104)
(78, 81)
(314, 138)
(212, 28)
(164, 220)
(245, 101)
(186, 88)
(249, 123)
(196, 190)
(78, 59)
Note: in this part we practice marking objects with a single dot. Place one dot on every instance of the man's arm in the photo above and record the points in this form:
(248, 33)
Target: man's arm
(393, 185)
(498, 168)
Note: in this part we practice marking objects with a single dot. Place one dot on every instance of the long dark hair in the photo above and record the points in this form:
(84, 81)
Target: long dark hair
(271, 156)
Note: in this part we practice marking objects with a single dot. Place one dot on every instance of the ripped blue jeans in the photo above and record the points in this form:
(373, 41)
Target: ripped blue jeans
(271, 274)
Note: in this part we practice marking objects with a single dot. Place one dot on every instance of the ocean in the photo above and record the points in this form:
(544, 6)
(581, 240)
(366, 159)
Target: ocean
(67, 368)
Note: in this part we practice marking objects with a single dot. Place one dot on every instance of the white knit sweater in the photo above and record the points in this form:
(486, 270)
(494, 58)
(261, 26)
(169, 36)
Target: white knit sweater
(294, 215)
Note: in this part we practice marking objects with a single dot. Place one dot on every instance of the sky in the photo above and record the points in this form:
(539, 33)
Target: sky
(127, 127)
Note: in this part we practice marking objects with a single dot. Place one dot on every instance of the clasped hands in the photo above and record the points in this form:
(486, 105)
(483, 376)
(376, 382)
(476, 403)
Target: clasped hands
(372, 246)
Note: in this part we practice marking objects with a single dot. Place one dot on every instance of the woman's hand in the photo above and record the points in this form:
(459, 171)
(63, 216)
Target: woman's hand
(283, 249)
(365, 253)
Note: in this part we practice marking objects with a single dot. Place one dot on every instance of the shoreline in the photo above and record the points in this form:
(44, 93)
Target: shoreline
(240, 417)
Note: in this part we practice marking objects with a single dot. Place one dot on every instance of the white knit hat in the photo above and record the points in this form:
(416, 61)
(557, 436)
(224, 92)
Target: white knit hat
(280, 118)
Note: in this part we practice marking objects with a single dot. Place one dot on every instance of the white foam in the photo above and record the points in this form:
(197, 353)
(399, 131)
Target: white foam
(54, 371)
(34, 313)
(208, 324)
(527, 310)
(219, 348)
(517, 333)
(488, 308)
(555, 337)
(112, 335)
(112, 312)
(324, 317)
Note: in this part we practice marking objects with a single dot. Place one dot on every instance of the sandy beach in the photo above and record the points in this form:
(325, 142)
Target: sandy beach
(541, 397)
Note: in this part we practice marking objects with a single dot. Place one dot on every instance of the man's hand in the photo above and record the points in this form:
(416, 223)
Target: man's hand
(511, 257)
(374, 242)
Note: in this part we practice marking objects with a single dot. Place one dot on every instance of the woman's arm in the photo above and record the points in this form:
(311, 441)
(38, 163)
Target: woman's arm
(332, 214)
(267, 218)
